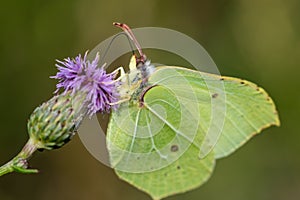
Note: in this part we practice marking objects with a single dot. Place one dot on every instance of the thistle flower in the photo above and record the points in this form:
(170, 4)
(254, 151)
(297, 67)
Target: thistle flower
(81, 75)
(88, 89)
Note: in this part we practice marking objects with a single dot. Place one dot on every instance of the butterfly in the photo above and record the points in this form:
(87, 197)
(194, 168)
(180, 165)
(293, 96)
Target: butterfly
(173, 123)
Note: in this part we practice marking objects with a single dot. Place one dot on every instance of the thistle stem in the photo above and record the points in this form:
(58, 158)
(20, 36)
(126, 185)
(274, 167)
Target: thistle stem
(19, 163)
(5, 169)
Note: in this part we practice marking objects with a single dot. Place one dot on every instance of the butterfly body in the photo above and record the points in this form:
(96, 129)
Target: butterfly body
(135, 82)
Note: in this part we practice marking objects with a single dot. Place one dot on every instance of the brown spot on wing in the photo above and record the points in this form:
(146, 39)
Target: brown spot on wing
(174, 148)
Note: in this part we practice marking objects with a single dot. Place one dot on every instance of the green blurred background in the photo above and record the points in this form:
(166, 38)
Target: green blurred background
(258, 40)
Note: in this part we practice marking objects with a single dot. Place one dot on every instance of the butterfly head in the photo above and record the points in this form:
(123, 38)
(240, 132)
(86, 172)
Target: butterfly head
(140, 69)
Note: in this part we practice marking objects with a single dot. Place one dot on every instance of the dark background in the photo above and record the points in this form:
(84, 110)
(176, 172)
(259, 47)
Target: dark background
(257, 40)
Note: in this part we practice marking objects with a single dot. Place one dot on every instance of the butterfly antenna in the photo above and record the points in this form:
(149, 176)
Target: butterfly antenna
(130, 34)
(112, 40)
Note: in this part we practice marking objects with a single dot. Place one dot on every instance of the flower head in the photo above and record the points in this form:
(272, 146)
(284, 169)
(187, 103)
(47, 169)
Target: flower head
(54, 123)
(80, 75)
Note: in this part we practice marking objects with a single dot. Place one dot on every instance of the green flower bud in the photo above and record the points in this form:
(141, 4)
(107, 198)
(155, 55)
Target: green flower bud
(55, 122)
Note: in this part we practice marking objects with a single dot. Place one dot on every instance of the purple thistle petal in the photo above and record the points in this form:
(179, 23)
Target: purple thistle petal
(70, 73)
(81, 75)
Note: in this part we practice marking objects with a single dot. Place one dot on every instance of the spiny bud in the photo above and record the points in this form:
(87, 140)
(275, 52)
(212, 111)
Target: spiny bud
(53, 124)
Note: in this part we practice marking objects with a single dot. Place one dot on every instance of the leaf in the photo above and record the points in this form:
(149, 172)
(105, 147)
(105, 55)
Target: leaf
(183, 118)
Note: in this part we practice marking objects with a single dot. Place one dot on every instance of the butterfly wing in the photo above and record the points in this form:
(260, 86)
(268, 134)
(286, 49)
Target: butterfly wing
(156, 146)
(246, 109)
(157, 130)
(186, 120)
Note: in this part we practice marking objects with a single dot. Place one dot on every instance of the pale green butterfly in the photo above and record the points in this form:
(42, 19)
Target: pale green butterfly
(173, 123)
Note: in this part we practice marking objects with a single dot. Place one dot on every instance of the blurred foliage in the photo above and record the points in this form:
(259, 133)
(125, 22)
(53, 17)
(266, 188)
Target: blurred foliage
(257, 40)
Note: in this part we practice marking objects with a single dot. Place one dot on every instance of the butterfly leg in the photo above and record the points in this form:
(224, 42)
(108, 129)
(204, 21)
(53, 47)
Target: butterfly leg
(122, 73)
(120, 101)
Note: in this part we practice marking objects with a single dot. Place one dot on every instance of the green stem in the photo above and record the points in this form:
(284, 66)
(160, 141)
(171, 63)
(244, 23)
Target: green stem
(19, 163)
(5, 169)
